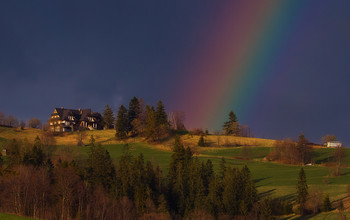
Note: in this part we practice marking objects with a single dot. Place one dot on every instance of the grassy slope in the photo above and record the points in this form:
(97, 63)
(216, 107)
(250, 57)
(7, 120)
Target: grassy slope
(273, 179)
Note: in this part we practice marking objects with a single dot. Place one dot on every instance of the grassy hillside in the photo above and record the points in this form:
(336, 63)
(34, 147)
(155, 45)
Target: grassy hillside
(277, 179)
(273, 179)
(11, 133)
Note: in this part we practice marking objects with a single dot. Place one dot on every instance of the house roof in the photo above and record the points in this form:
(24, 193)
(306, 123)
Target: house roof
(79, 114)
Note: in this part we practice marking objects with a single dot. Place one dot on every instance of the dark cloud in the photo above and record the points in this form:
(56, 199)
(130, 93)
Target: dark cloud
(89, 54)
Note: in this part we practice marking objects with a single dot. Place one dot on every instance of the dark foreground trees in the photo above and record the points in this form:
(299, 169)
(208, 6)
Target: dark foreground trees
(129, 188)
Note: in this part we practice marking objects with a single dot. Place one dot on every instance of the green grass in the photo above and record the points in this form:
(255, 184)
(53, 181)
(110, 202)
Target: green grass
(256, 152)
(272, 179)
(279, 180)
(322, 155)
(162, 158)
(13, 217)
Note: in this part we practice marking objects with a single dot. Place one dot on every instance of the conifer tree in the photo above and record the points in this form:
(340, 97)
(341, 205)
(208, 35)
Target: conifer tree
(177, 178)
(162, 124)
(161, 115)
(207, 174)
(108, 118)
(101, 170)
(151, 124)
(303, 149)
(231, 194)
(266, 209)
(201, 142)
(231, 127)
(249, 192)
(124, 174)
(133, 113)
(34, 157)
(139, 183)
(222, 167)
(327, 206)
(302, 190)
(213, 203)
(121, 124)
(139, 123)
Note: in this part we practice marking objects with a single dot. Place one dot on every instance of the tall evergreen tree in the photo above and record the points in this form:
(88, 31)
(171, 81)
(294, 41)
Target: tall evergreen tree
(139, 183)
(201, 142)
(302, 190)
(327, 205)
(231, 195)
(231, 127)
(213, 203)
(124, 174)
(34, 157)
(133, 113)
(121, 124)
(162, 124)
(177, 178)
(101, 170)
(304, 150)
(151, 124)
(249, 192)
(108, 118)
(161, 115)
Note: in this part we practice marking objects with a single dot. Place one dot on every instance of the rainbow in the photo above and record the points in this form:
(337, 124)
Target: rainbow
(236, 58)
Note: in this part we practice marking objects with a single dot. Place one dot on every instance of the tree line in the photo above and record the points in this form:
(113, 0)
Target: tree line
(100, 188)
(12, 121)
(301, 152)
(139, 120)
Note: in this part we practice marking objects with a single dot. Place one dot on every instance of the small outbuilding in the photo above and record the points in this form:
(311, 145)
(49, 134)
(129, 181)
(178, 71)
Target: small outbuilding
(334, 144)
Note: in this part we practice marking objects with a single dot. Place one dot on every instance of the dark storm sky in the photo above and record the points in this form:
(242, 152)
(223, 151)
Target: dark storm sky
(86, 54)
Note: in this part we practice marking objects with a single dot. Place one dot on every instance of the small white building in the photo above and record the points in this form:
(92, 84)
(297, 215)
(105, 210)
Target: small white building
(334, 144)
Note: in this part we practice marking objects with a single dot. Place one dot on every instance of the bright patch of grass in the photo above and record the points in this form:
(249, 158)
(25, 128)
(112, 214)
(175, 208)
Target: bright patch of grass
(11, 133)
(13, 217)
(256, 152)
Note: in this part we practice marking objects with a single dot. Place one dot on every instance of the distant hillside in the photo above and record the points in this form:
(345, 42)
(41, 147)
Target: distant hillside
(108, 137)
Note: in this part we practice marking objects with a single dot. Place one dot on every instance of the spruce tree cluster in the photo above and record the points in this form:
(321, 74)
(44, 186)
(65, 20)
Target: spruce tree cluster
(136, 121)
(193, 185)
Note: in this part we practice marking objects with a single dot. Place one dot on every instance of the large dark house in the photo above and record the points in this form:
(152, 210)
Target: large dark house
(63, 120)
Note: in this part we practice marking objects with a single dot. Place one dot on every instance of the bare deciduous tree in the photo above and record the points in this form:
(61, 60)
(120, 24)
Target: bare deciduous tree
(2, 118)
(34, 123)
(11, 121)
(328, 137)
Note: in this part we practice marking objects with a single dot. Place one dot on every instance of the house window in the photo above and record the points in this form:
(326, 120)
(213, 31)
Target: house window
(51, 123)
